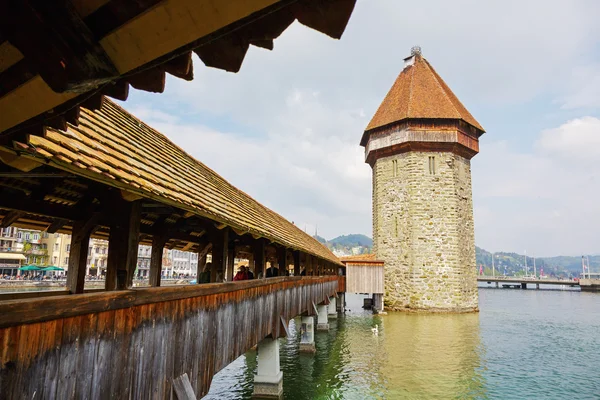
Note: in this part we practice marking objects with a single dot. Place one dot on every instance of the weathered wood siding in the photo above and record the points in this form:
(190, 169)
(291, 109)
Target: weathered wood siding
(130, 344)
(364, 278)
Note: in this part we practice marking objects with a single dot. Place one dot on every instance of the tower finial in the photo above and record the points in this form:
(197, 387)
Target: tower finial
(415, 51)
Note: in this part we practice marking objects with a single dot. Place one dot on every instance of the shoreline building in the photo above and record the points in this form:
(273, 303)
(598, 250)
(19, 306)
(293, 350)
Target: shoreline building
(419, 144)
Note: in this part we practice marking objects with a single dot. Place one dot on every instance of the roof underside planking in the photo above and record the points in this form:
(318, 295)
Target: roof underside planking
(110, 156)
(55, 56)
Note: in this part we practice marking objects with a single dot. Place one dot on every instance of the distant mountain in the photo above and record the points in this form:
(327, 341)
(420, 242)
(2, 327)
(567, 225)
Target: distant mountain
(514, 264)
(353, 240)
(320, 239)
(346, 245)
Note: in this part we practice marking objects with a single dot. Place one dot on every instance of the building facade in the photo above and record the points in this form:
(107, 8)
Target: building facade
(419, 145)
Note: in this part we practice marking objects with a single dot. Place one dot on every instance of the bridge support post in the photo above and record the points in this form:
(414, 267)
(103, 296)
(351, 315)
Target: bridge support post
(268, 381)
(341, 303)
(537, 285)
(523, 285)
(377, 302)
(307, 335)
(332, 307)
(497, 285)
(322, 322)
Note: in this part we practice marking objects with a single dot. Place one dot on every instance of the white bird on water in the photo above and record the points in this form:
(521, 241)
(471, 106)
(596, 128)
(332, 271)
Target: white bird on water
(375, 330)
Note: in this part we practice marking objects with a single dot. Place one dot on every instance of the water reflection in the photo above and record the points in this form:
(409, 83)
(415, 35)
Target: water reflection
(432, 356)
(413, 356)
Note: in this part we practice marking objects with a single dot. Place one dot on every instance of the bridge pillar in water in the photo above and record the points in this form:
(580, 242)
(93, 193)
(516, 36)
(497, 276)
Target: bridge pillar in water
(497, 284)
(537, 285)
(377, 302)
(307, 335)
(268, 381)
(322, 321)
(523, 285)
(332, 307)
(341, 302)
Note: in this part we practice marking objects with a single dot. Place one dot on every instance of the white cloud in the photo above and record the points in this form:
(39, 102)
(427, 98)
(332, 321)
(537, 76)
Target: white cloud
(575, 141)
(545, 200)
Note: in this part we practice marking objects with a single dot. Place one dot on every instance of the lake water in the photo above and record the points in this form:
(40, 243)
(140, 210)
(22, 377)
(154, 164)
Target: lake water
(523, 344)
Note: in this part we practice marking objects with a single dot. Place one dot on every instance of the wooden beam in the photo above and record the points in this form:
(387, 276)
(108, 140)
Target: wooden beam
(282, 261)
(123, 246)
(156, 255)
(56, 225)
(260, 265)
(220, 242)
(21, 203)
(80, 239)
(118, 90)
(202, 253)
(151, 80)
(10, 218)
(230, 262)
(181, 67)
(296, 263)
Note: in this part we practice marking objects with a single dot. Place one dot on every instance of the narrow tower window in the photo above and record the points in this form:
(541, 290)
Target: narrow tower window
(395, 168)
(431, 165)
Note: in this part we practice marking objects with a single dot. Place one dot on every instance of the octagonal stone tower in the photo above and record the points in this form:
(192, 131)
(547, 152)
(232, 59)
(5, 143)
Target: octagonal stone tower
(419, 145)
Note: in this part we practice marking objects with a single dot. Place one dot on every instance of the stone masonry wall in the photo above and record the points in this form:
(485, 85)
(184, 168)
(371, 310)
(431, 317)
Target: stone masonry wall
(423, 230)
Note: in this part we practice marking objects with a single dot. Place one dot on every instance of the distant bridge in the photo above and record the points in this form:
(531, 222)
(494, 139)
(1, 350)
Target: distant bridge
(513, 282)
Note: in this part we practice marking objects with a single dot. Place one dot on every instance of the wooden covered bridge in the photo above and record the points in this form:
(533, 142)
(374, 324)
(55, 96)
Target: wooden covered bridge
(72, 161)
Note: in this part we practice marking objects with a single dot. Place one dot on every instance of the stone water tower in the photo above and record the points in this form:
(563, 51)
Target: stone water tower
(419, 145)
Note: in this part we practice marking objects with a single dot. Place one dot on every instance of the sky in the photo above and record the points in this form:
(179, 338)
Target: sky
(286, 128)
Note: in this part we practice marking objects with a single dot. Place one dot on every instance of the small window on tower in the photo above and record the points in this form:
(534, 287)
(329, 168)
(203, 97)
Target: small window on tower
(395, 168)
(431, 165)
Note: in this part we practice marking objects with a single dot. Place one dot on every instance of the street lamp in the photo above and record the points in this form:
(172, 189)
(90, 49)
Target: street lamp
(493, 265)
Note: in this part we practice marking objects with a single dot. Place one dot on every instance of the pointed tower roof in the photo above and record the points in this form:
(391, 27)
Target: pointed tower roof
(419, 93)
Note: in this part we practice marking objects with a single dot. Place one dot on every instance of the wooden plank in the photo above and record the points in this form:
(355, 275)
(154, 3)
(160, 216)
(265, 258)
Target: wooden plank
(173, 24)
(68, 358)
(101, 377)
(85, 356)
(183, 388)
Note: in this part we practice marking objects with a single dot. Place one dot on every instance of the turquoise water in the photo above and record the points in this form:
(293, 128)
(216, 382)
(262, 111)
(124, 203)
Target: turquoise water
(524, 344)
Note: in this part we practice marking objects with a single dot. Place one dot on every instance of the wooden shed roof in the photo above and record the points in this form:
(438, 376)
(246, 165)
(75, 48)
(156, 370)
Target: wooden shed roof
(113, 147)
(419, 93)
(55, 56)
(370, 259)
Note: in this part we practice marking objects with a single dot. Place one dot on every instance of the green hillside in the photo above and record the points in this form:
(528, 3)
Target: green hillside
(514, 264)
(346, 243)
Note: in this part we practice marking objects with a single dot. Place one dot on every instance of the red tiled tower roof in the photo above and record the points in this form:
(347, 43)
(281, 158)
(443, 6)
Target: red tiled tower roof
(419, 93)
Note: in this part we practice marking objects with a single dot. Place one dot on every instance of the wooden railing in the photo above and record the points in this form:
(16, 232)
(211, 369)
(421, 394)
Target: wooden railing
(132, 343)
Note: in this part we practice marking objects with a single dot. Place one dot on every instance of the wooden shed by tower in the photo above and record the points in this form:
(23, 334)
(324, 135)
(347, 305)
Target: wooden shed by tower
(419, 144)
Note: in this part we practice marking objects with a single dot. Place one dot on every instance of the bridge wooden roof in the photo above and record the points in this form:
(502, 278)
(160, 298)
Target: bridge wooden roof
(113, 147)
(419, 93)
(55, 56)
